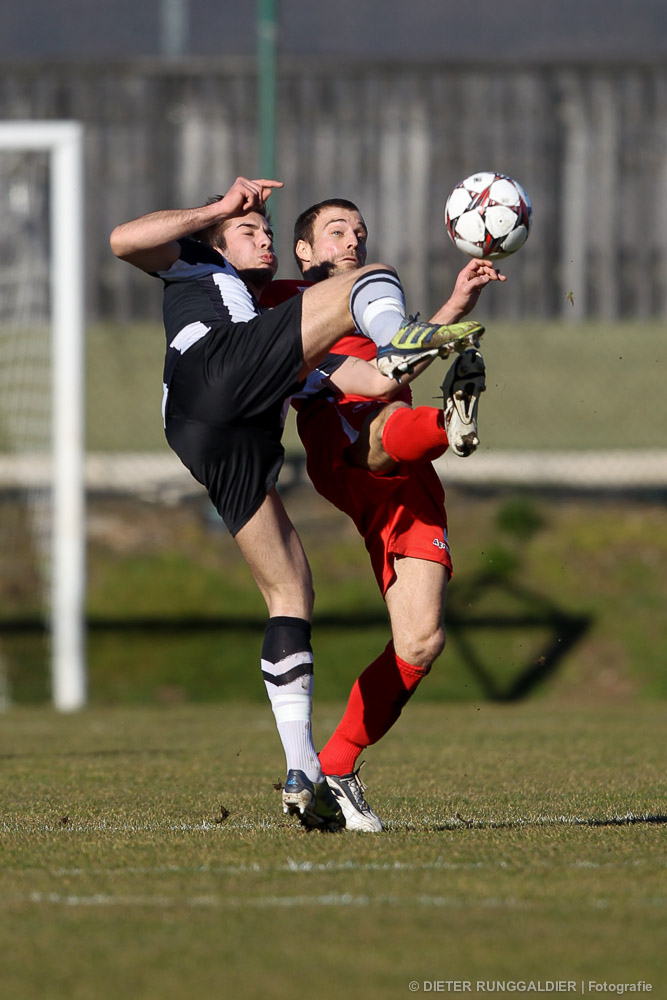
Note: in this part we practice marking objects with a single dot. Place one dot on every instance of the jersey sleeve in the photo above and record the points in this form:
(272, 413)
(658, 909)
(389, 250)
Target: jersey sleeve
(318, 382)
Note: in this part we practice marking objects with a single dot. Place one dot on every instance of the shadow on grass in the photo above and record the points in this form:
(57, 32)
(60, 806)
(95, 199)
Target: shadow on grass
(191, 623)
(464, 629)
(460, 823)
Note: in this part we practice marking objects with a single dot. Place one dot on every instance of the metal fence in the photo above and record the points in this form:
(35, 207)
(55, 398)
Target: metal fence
(589, 144)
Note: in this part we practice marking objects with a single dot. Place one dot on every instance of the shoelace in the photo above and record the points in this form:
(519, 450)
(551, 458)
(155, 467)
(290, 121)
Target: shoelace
(358, 788)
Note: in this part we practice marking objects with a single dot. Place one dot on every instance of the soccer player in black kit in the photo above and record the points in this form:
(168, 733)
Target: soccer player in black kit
(229, 369)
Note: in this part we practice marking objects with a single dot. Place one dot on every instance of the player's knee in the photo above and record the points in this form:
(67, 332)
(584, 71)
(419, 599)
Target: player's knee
(424, 648)
(382, 267)
(377, 458)
(434, 646)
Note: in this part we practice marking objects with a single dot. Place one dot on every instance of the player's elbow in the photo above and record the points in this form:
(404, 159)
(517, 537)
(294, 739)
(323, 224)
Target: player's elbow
(119, 245)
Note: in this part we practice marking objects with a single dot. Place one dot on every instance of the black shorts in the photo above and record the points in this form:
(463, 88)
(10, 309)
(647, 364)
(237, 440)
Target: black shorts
(225, 407)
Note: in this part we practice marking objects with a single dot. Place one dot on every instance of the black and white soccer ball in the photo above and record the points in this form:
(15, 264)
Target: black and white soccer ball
(488, 215)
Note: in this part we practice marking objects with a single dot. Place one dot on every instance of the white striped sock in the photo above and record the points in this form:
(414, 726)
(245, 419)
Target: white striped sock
(377, 304)
(289, 685)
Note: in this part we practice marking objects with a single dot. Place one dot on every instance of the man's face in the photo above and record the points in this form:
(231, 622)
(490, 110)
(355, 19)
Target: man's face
(338, 244)
(249, 247)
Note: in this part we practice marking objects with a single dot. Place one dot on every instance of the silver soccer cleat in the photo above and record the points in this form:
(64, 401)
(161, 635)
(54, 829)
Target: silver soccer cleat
(312, 802)
(349, 792)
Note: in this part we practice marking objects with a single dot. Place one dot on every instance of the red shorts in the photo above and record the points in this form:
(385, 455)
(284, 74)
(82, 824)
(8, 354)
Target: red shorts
(401, 514)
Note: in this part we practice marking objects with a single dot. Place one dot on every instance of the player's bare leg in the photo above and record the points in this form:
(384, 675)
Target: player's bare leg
(415, 601)
(273, 551)
(325, 313)
(271, 546)
(370, 299)
(397, 433)
(367, 451)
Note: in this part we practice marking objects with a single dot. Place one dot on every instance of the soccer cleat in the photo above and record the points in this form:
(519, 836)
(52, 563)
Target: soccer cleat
(461, 391)
(312, 802)
(416, 342)
(349, 791)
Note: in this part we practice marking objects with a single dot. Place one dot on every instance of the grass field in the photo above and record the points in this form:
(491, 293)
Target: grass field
(143, 851)
(550, 598)
(551, 385)
(144, 855)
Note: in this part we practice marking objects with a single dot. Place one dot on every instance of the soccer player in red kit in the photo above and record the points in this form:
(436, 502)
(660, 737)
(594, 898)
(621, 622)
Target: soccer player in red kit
(370, 453)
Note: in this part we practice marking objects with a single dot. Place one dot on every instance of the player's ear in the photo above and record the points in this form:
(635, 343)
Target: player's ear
(303, 251)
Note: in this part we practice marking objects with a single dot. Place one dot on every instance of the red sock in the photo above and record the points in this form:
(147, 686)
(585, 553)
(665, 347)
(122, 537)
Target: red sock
(374, 705)
(415, 435)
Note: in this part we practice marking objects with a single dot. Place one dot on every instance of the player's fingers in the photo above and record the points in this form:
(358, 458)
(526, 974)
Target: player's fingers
(487, 267)
(478, 281)
(265, 186)
(247, 190)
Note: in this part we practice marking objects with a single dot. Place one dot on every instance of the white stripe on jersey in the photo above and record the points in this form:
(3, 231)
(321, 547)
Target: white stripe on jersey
(165, 396)
(233, 291)
(189, 335)
(349, 430)
(236, 297)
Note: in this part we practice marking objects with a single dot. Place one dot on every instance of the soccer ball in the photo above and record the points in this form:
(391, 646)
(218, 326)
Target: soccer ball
(488, 215)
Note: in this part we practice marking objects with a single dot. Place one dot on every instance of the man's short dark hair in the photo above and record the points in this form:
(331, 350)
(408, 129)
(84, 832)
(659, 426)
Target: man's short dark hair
(303, 227)
(215, 235)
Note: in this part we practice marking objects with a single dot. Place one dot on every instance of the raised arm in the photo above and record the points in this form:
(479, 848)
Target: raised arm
(151, 241)
(356, 377)
(470, 283)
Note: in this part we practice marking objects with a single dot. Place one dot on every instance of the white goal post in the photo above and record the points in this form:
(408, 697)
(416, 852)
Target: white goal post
(63, 142)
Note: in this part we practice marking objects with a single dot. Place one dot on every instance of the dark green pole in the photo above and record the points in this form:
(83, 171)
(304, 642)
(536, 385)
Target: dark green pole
(266, 86)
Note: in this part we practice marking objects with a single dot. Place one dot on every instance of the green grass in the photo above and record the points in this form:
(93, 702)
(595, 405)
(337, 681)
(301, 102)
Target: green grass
(124, 387)
(605, 564)
(559, 386)
(550, 385)
(175, 616)
(522, 843)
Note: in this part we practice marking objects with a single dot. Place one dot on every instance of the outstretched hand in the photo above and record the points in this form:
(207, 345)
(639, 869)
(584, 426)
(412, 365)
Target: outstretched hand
(469, 284)
(245, 195)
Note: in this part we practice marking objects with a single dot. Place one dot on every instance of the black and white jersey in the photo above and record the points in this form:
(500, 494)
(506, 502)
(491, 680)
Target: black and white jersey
(202, 287)
(230, 368)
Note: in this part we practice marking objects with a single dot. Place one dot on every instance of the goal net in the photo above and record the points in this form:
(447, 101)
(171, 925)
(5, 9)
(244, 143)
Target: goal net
(42, 523)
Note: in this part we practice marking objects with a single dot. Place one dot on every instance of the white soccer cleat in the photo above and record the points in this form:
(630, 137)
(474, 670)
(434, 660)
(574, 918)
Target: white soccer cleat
(348, 790)
(461, 389)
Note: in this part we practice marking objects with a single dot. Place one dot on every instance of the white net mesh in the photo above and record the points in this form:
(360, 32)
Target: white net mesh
(41, 377)
(25, 343)
(25, 389)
